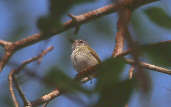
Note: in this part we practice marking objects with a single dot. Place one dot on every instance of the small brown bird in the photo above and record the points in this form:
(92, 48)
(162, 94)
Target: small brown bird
(83, 56)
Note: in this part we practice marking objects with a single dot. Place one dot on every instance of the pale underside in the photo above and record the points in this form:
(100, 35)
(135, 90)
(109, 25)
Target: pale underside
(82, 58)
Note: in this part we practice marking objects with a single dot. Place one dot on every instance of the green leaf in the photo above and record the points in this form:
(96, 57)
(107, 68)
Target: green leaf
(159, 17)
(116, 95)
(49, 24)
(112, 91)
(109, 72)
(159, 54)
(57, 78)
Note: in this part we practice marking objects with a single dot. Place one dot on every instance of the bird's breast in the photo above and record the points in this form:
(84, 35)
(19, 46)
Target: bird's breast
(82, 60)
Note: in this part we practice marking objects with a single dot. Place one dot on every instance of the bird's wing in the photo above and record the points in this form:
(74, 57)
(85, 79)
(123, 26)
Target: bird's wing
(95, 54)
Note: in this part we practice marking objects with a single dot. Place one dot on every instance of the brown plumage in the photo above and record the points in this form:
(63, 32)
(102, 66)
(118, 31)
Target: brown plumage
(83, 56)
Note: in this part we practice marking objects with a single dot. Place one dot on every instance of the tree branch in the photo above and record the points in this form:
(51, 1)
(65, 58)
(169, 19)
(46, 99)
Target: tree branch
(81, 19)
(4, 43)
(150, 66)
(46, 98)
(25, 100)
(131, 72)
(12, 78)
(5, 59)
(119, 40)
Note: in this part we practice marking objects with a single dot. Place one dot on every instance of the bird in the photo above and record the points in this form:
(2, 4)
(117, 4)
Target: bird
(83, 56)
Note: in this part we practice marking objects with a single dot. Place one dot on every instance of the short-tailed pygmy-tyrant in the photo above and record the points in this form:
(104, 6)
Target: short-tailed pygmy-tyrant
(83, 56)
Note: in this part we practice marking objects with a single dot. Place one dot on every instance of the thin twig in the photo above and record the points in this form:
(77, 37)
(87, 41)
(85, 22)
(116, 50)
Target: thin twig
(34, 58)
(74, 19)
(5, 59)
(12, 79)
(45, 104)
(150, 66)
(145, 46)
(4, 43)
(25, 100)
(8, 53)
(46, 98)
(131, 72)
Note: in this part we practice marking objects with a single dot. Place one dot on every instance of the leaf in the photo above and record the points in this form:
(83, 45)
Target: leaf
(159, 17)
(48, 25)
(116, 95)
(112, 91)
(159, 54)
(57, 8)
(57, 78)
(109, 72)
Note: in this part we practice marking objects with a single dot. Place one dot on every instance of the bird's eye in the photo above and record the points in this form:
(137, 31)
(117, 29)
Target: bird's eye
(80, 41)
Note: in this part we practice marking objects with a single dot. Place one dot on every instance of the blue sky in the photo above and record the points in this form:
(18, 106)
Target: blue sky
(31, 10)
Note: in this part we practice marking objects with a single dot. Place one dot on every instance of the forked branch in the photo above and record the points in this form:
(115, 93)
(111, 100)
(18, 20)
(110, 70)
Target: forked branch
(12, 79)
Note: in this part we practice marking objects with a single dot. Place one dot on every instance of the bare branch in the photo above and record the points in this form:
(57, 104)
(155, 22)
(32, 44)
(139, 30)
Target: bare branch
(125, 16)
(119, 40)
(25, 100)
(46, 98)
(45, 104)
(4, 43)
(33, 59)
(75, 20)
(131, 72)
(146, 46)
(5, 59)
(150, 66)
(12, 79)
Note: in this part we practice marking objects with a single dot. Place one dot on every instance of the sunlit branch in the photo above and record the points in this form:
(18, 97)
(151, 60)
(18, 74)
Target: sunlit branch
(12, 79)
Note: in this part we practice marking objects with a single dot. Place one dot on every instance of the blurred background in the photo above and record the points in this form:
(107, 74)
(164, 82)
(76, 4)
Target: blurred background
(22, 18)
